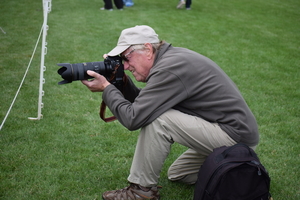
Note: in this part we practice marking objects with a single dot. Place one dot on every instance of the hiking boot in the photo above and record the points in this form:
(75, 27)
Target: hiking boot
(133, 192)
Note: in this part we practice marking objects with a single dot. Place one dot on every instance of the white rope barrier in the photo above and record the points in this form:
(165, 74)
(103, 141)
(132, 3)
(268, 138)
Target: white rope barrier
(2, 30)
(46, 10)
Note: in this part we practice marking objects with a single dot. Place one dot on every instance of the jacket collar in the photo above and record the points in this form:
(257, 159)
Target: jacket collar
(161, 52)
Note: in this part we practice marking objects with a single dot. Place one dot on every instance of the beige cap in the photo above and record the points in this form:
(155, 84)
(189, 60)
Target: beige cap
(135, 35)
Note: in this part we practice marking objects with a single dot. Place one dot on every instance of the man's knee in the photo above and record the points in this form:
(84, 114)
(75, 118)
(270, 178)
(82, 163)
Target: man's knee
(175, 175)
(187, 179)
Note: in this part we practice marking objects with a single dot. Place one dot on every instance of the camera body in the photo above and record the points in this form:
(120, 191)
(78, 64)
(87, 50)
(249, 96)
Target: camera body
(111, 68)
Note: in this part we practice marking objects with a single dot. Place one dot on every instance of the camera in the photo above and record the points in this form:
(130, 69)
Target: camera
(111, 68)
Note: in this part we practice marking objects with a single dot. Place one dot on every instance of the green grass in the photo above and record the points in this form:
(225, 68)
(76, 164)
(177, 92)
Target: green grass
(72, 154)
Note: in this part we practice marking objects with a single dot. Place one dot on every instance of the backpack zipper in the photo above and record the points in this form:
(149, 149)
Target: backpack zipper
(257, 165)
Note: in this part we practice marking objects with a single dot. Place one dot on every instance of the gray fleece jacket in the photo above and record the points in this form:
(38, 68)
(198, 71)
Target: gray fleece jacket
(191, 83)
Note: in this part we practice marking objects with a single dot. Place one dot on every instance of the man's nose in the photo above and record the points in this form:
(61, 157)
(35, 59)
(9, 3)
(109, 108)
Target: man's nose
(126, 65)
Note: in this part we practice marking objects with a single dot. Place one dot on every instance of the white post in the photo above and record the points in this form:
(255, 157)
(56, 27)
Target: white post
(46, 10)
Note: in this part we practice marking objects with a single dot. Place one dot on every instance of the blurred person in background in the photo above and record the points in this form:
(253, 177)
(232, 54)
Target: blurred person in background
(109, 6)
(128, 3)
(187, 4)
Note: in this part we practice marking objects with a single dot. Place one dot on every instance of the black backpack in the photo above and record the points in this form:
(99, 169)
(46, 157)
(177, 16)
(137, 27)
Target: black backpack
(232, 173)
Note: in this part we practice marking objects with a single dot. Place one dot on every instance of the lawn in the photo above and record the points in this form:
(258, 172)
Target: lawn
(72, 154)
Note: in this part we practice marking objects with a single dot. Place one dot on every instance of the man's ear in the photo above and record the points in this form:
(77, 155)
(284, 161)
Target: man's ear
(149, 50)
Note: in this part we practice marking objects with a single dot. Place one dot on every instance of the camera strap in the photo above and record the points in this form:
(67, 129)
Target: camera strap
(103, 104)
(102, 113)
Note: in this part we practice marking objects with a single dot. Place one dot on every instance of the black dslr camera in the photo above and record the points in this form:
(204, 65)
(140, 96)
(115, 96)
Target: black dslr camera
(111, 68)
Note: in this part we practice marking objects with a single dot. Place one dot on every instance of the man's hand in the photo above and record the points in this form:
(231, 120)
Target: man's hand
(98, 84)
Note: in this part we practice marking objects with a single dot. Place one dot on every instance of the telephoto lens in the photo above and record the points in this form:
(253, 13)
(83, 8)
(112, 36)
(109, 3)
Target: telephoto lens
(73, 72)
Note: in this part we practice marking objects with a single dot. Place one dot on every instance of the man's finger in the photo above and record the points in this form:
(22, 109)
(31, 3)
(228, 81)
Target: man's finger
(92, 73)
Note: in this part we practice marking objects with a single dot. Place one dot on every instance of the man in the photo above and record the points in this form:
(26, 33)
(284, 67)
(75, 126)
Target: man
(187, 99)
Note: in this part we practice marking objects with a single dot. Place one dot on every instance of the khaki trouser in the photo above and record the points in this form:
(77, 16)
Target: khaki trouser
(154, 144)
